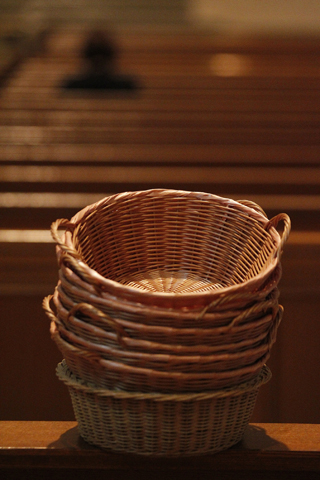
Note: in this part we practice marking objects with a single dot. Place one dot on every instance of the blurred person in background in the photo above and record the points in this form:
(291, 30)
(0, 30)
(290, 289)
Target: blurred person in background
(99, 56)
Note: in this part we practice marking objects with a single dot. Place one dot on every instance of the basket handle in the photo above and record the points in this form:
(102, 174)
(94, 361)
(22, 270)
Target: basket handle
(71, 262)
(89, 310)
(249, 296)
(85, 354)
(255, 310)
(273, 331)
(255, 206)
(94, 312)
(47, 308)
(273, 222)
(67, 225)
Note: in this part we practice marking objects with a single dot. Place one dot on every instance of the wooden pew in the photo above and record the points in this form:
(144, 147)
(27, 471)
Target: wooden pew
(252, 132)
(54, 450)
(251, 136)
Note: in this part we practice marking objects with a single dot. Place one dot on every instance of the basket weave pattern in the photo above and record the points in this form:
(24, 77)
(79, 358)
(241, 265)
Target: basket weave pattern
(165, 311)
(141, 245)
(172, 425)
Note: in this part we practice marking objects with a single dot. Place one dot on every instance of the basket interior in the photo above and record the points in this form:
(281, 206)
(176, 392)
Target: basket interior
(173, 243)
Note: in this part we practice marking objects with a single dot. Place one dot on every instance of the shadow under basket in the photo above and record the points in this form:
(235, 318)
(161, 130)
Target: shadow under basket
(162, 424)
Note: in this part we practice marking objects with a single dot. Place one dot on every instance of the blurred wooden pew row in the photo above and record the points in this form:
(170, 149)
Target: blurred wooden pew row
(196, 47)
(97, 134)
(22, 122)
(186, 56)
(186, 61)
(228, 102)
(66, 41)
(256, 133)
(217, 71)
(178, 135)
(166, 99)
(264, 115)
(48, 73)
(272, 155)
(163, 117)
(180, 99)
(206, 175)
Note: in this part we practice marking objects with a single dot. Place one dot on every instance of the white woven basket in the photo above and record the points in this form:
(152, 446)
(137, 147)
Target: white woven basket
(162, 424)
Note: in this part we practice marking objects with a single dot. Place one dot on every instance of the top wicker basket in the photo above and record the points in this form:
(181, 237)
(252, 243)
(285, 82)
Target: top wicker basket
(171, 248)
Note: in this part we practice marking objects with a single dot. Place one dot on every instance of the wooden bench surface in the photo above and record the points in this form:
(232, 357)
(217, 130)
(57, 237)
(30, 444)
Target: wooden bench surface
(55, 450)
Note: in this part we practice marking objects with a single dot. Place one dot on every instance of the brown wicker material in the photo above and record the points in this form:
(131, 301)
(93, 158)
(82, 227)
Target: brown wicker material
(159, 424)
(236, 338)
(219, 361)
(170, 248)
(170, 362)
(218, 313)
(110, 374)
(241, 327)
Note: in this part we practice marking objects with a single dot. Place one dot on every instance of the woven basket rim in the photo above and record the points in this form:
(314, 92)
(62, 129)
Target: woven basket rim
(119, 290)
(67, 377)
(221, 308)
(162, 191)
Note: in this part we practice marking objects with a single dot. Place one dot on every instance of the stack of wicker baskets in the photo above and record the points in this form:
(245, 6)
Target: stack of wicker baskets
(166, 310)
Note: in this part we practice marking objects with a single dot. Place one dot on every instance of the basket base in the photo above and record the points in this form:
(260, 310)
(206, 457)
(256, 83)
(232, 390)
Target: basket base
(164, 452)
(162, 425)
(169, 281)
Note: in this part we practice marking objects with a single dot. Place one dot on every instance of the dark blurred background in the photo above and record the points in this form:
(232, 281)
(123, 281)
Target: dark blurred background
(228, 103)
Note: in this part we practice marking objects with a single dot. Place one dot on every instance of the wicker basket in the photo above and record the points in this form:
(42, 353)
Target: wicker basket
(93, 368)
(163, 425)
(253, 336)
(222, 356)
(170, 248)
(94, 325)
(214, 362)
(72, 289)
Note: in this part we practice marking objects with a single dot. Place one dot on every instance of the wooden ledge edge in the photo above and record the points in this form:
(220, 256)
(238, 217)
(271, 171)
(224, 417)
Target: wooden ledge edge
(57, 445)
